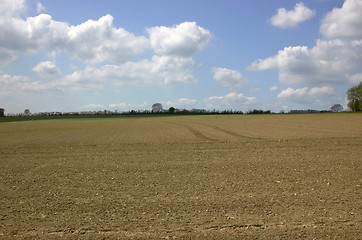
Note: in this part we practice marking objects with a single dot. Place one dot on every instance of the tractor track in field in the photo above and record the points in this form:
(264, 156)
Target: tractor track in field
(234, 134)
(200, 135)
(194, 131)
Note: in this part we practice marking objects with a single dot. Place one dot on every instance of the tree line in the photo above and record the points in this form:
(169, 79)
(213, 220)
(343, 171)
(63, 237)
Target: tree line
(354, 97)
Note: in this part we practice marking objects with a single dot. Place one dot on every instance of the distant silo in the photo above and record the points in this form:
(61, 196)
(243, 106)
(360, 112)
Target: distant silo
(2, 111)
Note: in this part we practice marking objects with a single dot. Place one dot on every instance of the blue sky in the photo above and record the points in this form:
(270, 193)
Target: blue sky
(124, 55)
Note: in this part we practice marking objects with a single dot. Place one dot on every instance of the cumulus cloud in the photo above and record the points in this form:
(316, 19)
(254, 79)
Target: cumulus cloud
(182, 103)
(158, 70)
(335, 59)
(15, 37)
(118, 105)
(285, 19)
(231, 100)
(93, 106)
(317, 95)
(274, 88)
(46, 69)
(327, 62)
(10, 8)
(39, 7)
(93, 41)
(182, 40)
(345, 22)
(355, 78)
(230, 79)
(127, 106)
(99, 41)
(18, 85)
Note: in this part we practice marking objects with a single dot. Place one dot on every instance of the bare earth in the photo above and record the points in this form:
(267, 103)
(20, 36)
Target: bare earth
(195, 177)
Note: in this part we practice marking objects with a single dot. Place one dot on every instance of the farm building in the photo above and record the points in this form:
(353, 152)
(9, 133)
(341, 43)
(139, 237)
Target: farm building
(2, 111)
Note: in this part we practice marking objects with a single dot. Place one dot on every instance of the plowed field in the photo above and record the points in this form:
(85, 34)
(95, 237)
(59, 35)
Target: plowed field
(203, 177)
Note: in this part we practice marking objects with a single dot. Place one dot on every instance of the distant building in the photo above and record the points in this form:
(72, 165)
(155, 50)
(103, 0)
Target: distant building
(2, 112)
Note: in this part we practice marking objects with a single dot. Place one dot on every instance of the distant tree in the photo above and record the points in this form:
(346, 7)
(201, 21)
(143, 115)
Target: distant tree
(185, 111)
(27, 112)
(255, 111)
(337, 108)
(157, 107)
(354, 96)
(171, 110)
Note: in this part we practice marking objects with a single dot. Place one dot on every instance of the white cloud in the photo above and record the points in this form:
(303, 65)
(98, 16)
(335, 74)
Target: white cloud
(18, 85)
(93, 41)
(127, 106)
(274, 88)
(10, 8)
(46, 69)
(14, 38)
(42, 31)
(173, 69)
(99, 41)
(317, 95)
(118, 105)
(232, 100)
(345, 22)
(327, 62)
(93, 106)
(158, 70)
(39, 7)
(182, 40)
(292, 18)
(182, 103)
(356, 78)
(230, 79)
(336, 59)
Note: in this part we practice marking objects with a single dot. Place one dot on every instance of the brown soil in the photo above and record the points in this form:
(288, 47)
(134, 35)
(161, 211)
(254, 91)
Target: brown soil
(207, 177)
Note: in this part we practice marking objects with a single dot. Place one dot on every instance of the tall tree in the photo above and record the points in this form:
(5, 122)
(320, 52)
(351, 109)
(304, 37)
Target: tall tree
(27, 112)
(171, 110)
(354, 96)
(157, 107)
(337, 108)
